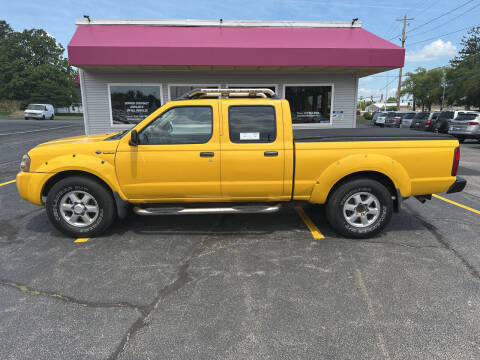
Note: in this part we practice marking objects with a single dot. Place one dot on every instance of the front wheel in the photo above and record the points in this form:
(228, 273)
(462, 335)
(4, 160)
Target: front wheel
(79, 206)
(359, 208)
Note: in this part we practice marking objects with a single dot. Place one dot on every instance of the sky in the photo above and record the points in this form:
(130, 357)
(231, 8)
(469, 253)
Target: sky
(432, 37)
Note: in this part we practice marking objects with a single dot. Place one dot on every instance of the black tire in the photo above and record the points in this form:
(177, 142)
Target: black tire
(52, 117)
(26, 117)
(106, 211)
(461, 140)
(343, 193)
(43, 117)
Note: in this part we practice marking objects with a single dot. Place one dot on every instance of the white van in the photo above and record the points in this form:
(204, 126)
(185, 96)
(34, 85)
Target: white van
(39, 111)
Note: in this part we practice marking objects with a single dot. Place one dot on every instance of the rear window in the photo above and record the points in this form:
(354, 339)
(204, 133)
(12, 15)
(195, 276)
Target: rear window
(391, 115)
(465, 117)
(409, 116)
(252, 124)
(422, 115)
(446, 115)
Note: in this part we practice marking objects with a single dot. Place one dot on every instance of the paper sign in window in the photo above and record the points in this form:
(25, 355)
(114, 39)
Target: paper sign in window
(250, 136)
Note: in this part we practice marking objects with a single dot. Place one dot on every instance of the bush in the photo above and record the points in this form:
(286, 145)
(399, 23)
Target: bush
(367, 116)
(9, 106)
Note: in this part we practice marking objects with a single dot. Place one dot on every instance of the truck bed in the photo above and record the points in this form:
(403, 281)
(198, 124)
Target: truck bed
(364, 134)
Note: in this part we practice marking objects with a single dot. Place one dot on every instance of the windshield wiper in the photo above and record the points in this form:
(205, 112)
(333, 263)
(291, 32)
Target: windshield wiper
(117, 136)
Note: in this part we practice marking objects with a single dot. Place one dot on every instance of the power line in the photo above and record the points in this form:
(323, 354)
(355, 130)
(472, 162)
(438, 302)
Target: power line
(440, 16)
(439, 36)
(435, 18)
(445, 23)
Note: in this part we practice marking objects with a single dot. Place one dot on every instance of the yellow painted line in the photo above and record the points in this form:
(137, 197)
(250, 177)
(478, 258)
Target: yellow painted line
(81, 240)
(8, 182)
(311, 226)
(457, 204)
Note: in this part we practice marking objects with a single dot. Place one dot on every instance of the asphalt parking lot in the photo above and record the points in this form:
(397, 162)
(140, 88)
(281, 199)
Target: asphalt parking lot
(237, 286)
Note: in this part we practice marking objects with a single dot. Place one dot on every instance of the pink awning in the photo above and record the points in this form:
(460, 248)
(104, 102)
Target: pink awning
(133, 45)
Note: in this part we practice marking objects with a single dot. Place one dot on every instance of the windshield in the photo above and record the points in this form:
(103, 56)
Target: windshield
(35, 107)
(465, 117)
(446, 115)
(421, 115)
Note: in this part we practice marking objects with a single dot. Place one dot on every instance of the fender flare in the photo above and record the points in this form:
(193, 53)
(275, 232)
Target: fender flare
(358, 163)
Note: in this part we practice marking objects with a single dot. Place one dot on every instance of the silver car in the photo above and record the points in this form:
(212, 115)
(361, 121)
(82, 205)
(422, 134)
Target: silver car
(466, 126)
(406, 120)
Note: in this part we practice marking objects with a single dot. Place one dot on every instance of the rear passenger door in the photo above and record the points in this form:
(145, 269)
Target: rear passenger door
(253, 156)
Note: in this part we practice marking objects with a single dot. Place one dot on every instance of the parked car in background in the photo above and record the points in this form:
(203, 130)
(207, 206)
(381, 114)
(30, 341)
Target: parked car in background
(406, 120)
(419, 121)
(393, 119)
(443, 122)
(39, 111)
(374, 117)
(432, 121)
(466, 126)
(385, 118)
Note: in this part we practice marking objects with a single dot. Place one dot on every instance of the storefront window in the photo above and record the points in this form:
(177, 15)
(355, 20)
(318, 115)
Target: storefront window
(133, 103)
(309, 104)
(177, 91)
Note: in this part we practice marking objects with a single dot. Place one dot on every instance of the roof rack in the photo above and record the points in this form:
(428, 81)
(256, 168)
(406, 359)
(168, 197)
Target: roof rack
(226, 93)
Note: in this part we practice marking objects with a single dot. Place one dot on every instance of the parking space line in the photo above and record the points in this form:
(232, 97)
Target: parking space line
(8, 182)
(311, 226)
(81, 240)
(36, 130)
(457, 204)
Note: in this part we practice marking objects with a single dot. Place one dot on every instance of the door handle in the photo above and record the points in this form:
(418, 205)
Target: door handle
(207, 154)
(270, 153)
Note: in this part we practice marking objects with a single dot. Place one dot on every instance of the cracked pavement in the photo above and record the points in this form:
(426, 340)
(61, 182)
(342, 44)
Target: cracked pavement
(238, 286)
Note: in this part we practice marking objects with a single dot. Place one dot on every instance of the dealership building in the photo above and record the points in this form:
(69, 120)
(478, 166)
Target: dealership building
(128, 68)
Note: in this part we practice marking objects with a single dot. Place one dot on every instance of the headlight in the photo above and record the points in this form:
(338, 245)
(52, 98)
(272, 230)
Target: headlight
(25, 164)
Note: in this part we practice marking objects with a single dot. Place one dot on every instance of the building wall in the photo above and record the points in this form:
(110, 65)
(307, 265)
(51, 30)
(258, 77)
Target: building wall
(96, 104)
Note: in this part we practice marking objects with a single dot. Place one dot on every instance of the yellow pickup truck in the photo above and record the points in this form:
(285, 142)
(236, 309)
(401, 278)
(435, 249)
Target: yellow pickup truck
(235, 151)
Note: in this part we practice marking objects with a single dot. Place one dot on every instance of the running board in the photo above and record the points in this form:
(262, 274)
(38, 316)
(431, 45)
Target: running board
(240, 209)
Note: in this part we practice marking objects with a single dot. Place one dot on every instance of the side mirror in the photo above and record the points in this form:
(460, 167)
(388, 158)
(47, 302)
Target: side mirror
(133, 138)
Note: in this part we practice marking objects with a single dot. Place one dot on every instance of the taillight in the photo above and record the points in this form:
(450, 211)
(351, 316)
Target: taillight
(472, 123)
(429, 122)
(456, 161)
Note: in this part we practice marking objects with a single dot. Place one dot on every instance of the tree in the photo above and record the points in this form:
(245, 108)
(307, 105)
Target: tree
(463, 79)
(425, 86)
(33, 69)
(5, 29)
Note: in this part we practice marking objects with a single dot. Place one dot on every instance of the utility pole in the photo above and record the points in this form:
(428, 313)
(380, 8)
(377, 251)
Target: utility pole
(403, 46)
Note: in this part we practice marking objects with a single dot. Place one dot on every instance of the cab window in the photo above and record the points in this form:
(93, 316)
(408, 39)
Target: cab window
(252, 124)
(179, 125)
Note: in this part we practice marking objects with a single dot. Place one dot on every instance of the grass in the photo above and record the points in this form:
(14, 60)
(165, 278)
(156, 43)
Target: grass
(69, 116)
(4, 113)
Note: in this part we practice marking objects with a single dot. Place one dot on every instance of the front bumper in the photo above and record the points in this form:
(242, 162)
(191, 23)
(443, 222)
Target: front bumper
(457, 186)
(30, 185)
(37, 116)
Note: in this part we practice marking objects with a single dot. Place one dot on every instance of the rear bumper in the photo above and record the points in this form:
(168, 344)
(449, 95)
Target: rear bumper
(457, 186)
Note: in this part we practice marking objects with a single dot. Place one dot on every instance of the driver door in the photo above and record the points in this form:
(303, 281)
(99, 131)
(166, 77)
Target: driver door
(177, 158)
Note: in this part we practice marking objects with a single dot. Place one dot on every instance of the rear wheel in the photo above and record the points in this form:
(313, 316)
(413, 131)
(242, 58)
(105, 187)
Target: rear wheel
(79, 206)
(359, 208)
(26, 117)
